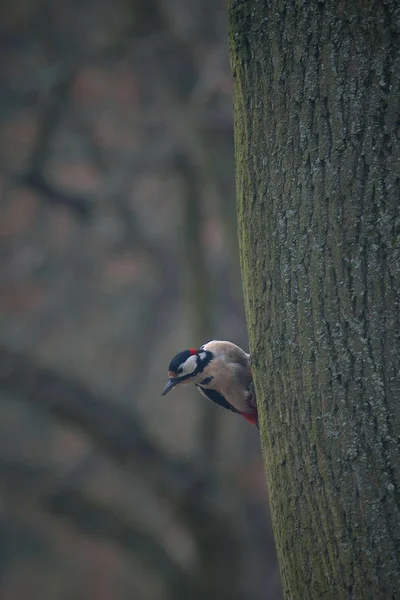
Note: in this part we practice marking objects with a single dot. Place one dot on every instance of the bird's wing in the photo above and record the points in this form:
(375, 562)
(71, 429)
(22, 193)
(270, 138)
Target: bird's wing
(216, 397)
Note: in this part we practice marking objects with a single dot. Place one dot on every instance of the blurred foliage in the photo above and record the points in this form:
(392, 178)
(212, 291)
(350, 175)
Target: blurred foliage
(118, 249)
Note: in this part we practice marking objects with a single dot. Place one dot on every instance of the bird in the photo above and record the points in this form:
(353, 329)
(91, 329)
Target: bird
(221, 372)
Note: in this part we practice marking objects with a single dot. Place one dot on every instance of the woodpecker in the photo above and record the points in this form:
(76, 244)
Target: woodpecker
(221, 372)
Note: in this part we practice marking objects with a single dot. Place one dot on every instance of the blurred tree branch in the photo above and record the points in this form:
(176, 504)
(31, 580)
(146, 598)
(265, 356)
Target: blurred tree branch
(210, 148)
(96, 519)
(77, 204)
(48, 124)
(33, 484)
(51, 117)
(121, 436)
(199, 291)
(117, 432)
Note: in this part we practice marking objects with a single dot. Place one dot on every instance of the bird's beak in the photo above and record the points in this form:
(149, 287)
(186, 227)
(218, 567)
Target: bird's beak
(171, 383)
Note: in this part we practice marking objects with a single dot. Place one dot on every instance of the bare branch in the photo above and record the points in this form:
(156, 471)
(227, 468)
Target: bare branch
(48, 124)
(77, 204)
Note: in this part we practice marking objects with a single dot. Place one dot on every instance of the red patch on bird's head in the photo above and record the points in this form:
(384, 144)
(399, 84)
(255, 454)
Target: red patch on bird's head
(192, 351)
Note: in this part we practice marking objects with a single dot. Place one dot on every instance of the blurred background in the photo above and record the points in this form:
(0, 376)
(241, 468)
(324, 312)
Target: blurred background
(118, 249)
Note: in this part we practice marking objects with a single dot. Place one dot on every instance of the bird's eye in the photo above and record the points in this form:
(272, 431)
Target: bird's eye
(180, 370)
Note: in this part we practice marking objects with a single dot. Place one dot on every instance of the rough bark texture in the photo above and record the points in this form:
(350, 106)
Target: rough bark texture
(316, 94)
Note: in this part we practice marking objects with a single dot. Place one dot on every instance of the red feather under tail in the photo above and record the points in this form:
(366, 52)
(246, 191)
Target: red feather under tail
(251, 418)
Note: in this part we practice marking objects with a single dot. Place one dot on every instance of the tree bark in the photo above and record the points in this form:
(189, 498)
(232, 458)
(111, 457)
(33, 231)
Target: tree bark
(316, 102)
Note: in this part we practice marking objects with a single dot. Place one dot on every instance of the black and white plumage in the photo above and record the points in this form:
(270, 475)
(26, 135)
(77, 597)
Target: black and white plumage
(221, 371)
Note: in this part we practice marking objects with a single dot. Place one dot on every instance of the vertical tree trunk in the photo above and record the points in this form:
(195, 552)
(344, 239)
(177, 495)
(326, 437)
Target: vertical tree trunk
(316, 96)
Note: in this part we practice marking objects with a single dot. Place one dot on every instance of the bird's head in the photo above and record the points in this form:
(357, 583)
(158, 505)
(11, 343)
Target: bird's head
(186, 366)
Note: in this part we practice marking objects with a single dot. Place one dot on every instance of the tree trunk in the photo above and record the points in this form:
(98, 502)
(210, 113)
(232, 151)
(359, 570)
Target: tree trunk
(316, 97)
